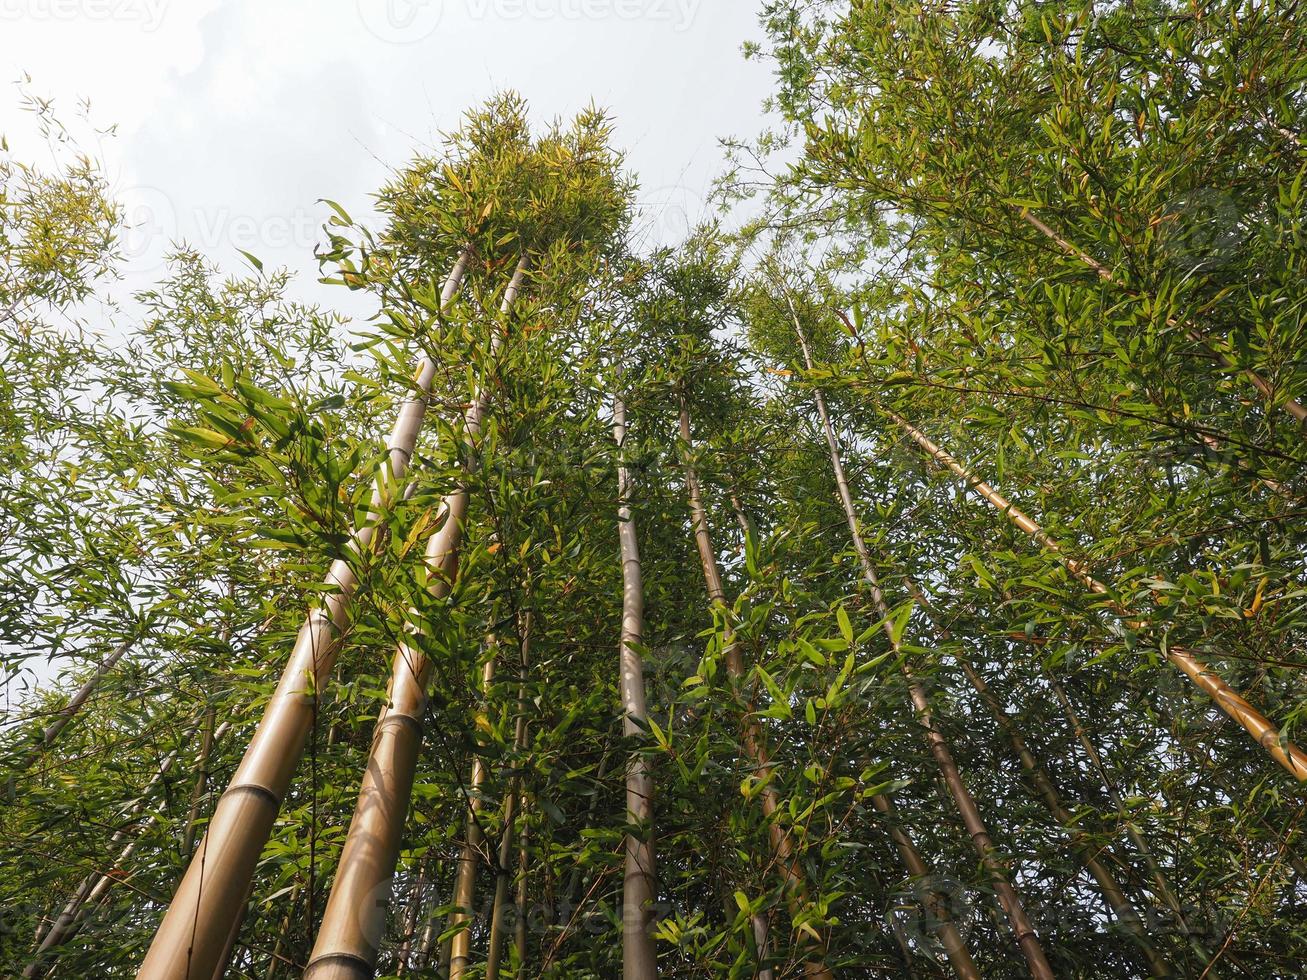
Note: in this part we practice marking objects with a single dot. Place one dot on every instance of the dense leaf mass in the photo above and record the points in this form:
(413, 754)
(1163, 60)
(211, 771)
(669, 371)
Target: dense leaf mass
(966, 462)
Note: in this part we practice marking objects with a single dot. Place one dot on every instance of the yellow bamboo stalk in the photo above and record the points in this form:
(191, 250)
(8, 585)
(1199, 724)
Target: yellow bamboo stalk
(523, 888)
(1231, 702)
(955, 948)
(945, 930)
(414, 906)
(201, 781)
(348, 942)
(199, 925)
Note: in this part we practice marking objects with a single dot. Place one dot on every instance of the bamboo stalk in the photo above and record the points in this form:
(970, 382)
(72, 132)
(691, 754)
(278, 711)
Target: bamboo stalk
(1022, 928)
(348, 942)
(503, 878)
(523, 889)
(459, 945)
(955, 948)
(758, 922)
(83, 889)
(1264, 388)
(275, 957)
(1231, 702)
(753, 744)
(411, 910)
(83, 694)
(427, 943)
(70, 710)
(1113, 893)
(201, 782)
(504, 854)
(1160, 885)
(639, 889)
(1220, 782)
(193, 937)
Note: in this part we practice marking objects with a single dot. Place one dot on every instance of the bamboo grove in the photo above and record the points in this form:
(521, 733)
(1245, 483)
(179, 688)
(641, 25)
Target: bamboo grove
(906, 575)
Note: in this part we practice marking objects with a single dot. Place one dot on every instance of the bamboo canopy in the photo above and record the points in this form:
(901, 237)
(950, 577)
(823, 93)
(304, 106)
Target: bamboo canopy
(642, 647)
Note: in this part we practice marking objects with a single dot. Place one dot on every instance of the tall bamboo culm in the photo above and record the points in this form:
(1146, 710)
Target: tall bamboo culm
(639, 884)
(1022, 928)
(945, 930)
(349, 937)
(200, 925)
(457, 949)
(1230, 701)
(752, 738)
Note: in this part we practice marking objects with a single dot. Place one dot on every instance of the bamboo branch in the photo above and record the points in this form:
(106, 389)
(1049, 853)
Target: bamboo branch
(1264, 388)
(1231, 702)
(94, 887)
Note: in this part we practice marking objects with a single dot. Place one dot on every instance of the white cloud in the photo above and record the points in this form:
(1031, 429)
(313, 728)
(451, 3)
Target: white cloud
(236, 117)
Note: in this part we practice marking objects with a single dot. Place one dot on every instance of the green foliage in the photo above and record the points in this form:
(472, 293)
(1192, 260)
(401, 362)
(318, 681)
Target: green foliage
(1052, 237)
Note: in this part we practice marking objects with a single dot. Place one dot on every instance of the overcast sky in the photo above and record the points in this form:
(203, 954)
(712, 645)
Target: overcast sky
(233, 118)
